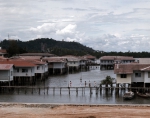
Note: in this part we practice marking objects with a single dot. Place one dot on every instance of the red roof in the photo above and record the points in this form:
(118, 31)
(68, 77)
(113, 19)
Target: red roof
(5, 66)
(18, 63)
(31, 60)
(89, 56)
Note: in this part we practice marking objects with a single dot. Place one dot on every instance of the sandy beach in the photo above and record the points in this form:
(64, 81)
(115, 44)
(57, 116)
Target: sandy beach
(9, 110)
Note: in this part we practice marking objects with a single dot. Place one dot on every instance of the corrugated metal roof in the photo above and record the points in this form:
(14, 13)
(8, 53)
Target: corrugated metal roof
(37, 54)
(5, 66)
(129, 68)
(144, 60)
(116, 58)
(54, 59)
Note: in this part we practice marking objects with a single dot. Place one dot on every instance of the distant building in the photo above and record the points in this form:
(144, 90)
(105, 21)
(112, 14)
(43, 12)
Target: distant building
(3, 52)
(56, 65)
(143, 60)
(90, 58)
(108, 62)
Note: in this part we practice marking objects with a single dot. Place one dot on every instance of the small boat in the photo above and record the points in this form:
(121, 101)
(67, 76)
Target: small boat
(144, 95)
(128, 95)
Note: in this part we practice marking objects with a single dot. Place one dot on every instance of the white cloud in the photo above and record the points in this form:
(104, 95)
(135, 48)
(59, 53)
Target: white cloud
(100, 24)
(68, 30)
(44, 28)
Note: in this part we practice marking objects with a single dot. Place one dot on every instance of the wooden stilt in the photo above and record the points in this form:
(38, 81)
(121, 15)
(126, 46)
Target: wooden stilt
(76, 91)
(60, 90)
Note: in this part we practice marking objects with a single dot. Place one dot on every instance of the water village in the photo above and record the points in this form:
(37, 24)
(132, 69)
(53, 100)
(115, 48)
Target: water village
(24, 70)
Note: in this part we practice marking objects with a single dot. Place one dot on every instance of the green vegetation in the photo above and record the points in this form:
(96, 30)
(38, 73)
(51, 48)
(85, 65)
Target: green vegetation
(107, 81)
(60, 48)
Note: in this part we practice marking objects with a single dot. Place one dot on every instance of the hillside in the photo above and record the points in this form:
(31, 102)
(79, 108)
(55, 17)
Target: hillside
(60, 48)
(47, 45)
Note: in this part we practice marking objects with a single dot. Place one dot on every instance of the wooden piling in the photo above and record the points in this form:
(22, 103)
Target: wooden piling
(96, 90)
(60, 90)
(69, 90)
(76, 91)
(47, 90)
(25, 91)
(90, 90)
(18, 90)
(53, 90)
(39, 91)
(32, 90)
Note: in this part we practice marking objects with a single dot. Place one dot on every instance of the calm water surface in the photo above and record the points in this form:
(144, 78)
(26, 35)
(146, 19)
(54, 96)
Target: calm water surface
(94, 76)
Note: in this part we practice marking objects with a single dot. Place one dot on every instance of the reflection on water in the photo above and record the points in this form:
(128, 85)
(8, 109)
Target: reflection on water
(83, 97)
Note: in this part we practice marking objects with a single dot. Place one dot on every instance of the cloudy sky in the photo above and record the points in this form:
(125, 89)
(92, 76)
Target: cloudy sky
(108, 25)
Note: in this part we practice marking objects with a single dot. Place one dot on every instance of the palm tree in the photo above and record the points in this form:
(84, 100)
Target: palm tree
(107, 81)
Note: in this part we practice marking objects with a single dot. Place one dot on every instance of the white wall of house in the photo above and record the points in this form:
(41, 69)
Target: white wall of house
(138, 79)
(11, 74)
(41, 68)
(6, 75)
(73, 63)
(46, 67)
(24, 71)
(123, 80)
(59, 65)
(146, 78)
(105, 62)
(83, 62)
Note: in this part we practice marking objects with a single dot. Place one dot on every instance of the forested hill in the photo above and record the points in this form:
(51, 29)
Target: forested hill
(47, 45)
(60, 48)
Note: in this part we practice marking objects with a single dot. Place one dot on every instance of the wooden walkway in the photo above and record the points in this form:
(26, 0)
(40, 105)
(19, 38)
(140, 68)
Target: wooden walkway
(46, 90)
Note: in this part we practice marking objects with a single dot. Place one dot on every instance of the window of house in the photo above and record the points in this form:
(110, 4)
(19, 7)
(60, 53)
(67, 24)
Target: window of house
(148, 74)
(74, 62)
(38, 67)
(24, 70)
(123, 76)
(17, 69)
(137, 74)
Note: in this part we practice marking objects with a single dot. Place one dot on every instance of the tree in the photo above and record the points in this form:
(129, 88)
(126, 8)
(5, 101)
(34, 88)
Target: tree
(107, 81)
(14, 49)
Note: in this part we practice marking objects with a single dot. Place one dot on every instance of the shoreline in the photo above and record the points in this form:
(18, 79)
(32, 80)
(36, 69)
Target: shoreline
(54, 110)
(46, 105)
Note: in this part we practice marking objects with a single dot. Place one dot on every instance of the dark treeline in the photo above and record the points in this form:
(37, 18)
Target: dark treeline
(60, 48)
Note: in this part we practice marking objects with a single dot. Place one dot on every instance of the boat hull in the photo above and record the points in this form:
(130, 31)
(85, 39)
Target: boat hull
(143, 95)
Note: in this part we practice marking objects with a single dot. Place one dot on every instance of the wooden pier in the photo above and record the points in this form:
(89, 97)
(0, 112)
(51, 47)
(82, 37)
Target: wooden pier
(70, 90)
